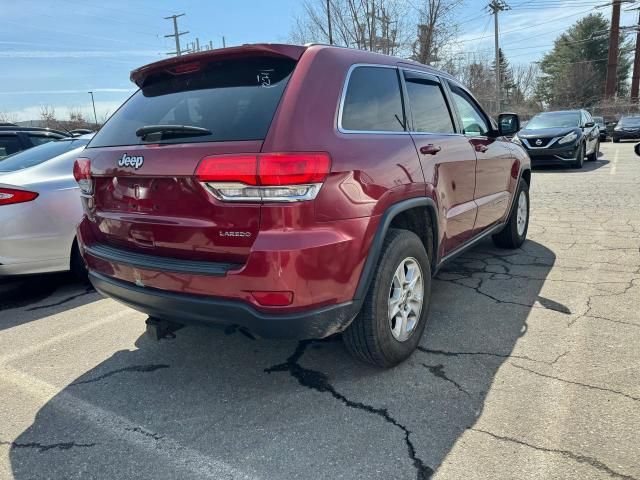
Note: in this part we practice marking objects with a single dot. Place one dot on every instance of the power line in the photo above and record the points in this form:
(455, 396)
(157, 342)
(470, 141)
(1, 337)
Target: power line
(612, 65)
(497, 6)
(530, 26)
(176, 33)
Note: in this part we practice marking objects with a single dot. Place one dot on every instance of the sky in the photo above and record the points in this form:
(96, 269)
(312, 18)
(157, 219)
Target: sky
(53, 52)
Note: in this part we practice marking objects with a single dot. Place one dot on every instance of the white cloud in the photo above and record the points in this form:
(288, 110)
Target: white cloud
(64, 92)
(103, 108)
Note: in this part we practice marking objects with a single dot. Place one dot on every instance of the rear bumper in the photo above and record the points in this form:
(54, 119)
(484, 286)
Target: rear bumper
(203, 310)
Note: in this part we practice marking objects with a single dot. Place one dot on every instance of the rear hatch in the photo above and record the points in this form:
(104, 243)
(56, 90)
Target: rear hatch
(147, 199)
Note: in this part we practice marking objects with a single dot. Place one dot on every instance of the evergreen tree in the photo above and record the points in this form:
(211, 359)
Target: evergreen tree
(507, 84)
(575, 70)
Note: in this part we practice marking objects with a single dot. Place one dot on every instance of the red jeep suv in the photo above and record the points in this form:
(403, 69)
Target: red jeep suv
(296, 192)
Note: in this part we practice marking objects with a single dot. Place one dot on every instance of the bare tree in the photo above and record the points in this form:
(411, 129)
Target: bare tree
(8, 117)
(375, 25)
(436, 29)
(76, 119)
(48, 116)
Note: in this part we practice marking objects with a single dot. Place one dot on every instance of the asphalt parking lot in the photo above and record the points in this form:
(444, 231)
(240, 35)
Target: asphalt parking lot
(529, 368)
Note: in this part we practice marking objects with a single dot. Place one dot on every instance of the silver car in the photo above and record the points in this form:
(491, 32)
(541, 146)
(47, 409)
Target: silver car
(40, 208)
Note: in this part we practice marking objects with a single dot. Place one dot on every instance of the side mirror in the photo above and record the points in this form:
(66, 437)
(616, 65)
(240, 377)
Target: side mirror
(637, 149)
(589, 125)
(508, 124)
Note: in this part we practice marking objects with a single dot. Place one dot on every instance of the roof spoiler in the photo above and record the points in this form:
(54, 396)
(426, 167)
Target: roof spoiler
(293, 52)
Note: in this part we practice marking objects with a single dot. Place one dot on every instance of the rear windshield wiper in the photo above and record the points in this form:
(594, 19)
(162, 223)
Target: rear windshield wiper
(172, 130)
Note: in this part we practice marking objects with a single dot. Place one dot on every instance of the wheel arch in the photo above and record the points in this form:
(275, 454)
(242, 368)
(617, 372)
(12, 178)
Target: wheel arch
(418, 215)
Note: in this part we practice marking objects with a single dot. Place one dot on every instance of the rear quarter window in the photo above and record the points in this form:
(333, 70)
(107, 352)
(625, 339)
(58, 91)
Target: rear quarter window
(236, 100)
(373, 102)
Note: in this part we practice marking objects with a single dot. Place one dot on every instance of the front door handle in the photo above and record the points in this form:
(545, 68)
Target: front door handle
(481, 148)
(430, 149)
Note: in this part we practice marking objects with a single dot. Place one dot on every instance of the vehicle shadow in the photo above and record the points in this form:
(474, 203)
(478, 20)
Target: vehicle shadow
(586, 167)
(214, 403)
(27, 298)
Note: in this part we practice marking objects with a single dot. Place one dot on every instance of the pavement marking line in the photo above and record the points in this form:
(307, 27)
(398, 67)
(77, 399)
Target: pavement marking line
(615, 162)
(179, 456)
(63, 336)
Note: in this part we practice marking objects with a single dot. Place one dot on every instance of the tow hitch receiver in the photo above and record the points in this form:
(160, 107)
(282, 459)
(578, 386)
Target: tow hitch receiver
(157, 328)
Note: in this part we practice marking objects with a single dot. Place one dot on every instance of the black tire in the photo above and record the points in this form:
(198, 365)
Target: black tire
(509, 236)
(616, 140)
(77, 265)
(592, 157)
(579, 158)
(369, 337)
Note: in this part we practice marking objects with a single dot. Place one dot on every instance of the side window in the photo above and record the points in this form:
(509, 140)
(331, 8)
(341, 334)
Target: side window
(40, 139)
(9, 144)
(428, 106)
(373, 101)
(474, 122)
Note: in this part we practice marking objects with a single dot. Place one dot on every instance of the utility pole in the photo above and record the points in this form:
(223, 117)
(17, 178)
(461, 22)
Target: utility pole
(95, 117)
(176, 33)
(329, 22)
(635, 78)
(612, 63)
(224, 42)
(497, 6)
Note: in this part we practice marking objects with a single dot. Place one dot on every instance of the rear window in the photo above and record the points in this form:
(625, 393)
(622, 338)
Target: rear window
(41, 139)
(235, 100)
(9, 144)
(37, 155)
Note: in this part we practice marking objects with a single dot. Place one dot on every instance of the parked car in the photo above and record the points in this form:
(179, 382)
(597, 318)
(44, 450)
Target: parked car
(627, 128)
(40, 208)
(76, 132)
(296, 192)
(602, 127)
(563, 137)
(14, 139)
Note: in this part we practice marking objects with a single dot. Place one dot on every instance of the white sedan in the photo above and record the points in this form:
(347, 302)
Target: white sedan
(39, 209)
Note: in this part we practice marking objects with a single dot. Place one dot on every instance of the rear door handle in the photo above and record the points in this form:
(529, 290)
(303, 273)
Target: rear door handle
(430, 149)
(481, 148)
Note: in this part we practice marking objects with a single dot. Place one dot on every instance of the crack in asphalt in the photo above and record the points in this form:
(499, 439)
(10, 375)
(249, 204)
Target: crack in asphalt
(629, 285)
(580, 384)
(88, 291)
(438, 371)
(27, 296)
(593, 462)
(146, 433)
(43, 447)
(319, 381)
(133, 368)
(489, 354)
(466, 270)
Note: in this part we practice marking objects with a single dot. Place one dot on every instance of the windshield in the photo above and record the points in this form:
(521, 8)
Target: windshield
(234, 99)
(554, 120)
(630, 121)
(39, 154)
(599, 120)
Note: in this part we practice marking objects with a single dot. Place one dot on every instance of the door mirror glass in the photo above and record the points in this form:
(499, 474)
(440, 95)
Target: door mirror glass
(508, 124)
(589, 125)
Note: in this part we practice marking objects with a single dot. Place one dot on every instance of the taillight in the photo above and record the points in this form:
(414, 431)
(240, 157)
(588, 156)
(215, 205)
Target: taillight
(82, 174)
(276, 177)
(9, 196)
